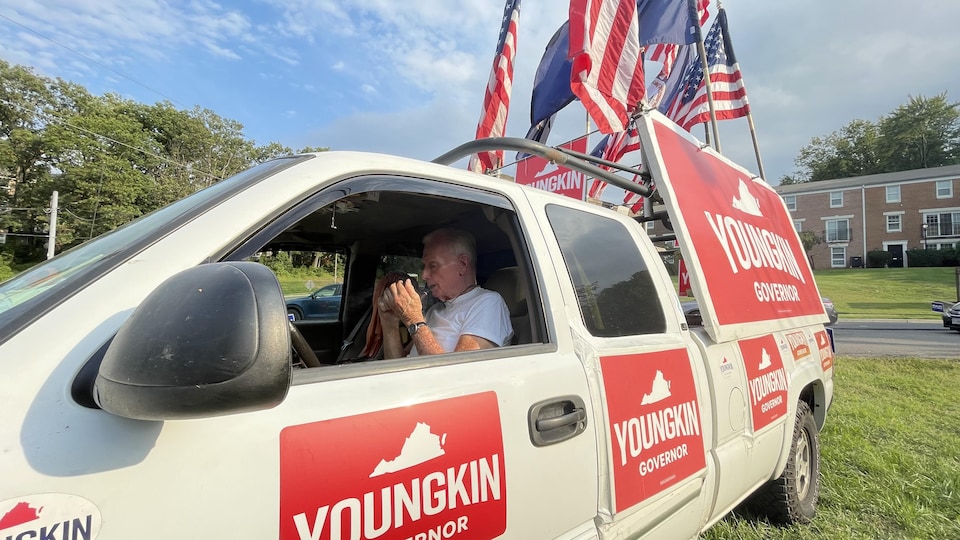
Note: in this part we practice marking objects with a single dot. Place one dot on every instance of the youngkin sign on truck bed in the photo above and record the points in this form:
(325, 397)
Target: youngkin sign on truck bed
(538, 172)
(746, 263)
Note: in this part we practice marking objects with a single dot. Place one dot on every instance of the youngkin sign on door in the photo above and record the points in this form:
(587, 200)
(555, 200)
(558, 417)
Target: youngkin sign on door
(746, 263)
(655, 427)
(538, 172)
(431, 470)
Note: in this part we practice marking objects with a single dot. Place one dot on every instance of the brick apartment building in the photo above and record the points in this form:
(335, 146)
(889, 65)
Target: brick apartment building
(894, 212)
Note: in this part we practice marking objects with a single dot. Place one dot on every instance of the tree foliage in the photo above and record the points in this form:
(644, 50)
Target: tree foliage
(924, 132)
(109, 158)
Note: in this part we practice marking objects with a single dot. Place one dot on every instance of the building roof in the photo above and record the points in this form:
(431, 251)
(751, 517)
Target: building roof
(929, 174)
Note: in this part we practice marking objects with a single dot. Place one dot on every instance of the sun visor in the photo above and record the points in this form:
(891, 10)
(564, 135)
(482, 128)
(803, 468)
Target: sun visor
(746, 263)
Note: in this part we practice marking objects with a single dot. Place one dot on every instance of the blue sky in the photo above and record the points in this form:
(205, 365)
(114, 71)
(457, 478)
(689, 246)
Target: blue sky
(407, 77)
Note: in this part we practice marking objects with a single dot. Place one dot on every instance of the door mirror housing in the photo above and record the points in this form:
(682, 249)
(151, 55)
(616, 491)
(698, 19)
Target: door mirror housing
(210, 340)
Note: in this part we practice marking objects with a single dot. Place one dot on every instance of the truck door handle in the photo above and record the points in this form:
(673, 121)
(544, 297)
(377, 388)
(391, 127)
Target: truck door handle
(556, 420)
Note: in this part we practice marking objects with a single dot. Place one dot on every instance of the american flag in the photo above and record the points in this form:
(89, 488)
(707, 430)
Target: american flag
(496, 98)
(607, 72)
(612, 148)
(729, 93)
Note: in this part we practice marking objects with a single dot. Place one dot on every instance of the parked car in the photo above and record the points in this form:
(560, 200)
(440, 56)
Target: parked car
(950, 314)
(323, 303)
(692, 311)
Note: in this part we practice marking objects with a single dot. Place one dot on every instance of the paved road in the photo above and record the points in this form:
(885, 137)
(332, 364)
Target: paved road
(926, 339)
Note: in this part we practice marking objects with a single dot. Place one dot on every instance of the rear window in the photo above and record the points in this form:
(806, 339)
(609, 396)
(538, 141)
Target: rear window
(615, 291)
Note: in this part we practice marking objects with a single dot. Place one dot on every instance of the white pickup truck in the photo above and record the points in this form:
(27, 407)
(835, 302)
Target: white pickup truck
(148, 389)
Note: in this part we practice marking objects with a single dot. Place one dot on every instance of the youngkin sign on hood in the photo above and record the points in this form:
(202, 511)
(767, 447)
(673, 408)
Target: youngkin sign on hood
(746, 263)
(538, 172)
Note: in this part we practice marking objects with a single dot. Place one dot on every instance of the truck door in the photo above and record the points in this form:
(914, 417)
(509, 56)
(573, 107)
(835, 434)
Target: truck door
(649, 381)
(470, 445)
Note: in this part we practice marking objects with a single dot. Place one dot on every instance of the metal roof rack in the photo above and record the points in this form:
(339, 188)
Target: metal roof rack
(561, 156)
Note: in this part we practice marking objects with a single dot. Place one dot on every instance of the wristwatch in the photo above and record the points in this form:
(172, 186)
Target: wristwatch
(415, 327)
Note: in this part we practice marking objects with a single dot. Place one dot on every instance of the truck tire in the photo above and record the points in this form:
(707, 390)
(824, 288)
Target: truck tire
(792, 498)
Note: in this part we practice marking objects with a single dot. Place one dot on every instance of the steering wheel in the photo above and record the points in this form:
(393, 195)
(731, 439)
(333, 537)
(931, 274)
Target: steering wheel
(302, 348)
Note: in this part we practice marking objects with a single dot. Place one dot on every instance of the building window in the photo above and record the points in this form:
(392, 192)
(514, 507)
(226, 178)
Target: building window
(944, 189)
(838, 257)
(894, 223)
(838, 230)
(942, 224)
(791, 201)
(798, 225)
(836, 199)
(893, 194)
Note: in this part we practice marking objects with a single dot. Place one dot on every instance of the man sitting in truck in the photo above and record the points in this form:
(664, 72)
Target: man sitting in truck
(467, 316)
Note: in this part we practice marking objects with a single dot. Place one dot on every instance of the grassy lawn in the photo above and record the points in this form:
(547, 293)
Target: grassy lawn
(884, 293)
(890, 456)
(888, 293)
(297, 285)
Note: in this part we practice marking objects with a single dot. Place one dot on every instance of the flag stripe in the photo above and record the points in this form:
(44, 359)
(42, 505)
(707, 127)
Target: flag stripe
(612, 148)
(607, 72)
(496, 97)
(691, 107)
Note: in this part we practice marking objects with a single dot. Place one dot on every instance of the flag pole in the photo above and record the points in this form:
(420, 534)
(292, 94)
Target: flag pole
(753, 130)
(756, 146)
(706, 73)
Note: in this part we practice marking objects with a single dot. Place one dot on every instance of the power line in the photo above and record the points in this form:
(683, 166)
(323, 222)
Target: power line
(101, 64)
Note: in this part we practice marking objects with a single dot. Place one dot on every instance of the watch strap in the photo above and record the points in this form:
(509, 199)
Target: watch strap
(415, 327)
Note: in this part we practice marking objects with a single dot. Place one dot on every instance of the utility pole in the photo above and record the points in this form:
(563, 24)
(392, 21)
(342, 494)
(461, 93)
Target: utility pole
(52, 239)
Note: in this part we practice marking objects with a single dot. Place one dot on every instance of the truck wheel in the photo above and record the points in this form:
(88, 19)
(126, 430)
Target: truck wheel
(792, 498)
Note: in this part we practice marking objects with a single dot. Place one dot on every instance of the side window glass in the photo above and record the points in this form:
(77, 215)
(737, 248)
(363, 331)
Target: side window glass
(615, 291)
(330, 252)
(311, 280)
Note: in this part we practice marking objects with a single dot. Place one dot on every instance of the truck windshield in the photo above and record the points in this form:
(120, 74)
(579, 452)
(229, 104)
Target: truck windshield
(50, 282)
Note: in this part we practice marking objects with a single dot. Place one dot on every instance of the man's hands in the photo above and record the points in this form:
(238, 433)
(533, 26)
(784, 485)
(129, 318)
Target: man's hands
(400, 303)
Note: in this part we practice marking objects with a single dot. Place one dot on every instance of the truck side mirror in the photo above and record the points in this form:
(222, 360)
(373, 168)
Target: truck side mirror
(210, 340)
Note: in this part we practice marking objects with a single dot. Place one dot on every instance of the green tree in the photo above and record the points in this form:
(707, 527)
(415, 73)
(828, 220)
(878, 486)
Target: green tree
(851, 151)
(922, 133)
(109, 158)
(809, 239)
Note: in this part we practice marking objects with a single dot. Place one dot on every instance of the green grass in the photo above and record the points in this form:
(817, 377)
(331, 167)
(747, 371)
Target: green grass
(890, 457)
(889, 293)
(296, 284)
(884, 293)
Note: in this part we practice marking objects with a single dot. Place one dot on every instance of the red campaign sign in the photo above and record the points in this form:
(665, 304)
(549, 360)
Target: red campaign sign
(826, 349)
(655, 423)
(683, 283)
(737, 236)
(799, 346)
(538, 172)
(766, 379)
(432, 470)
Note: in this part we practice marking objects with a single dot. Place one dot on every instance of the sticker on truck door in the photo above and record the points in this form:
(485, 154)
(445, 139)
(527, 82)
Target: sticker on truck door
(431, 470)
(49, 515)
(766, 379)
(655, 424)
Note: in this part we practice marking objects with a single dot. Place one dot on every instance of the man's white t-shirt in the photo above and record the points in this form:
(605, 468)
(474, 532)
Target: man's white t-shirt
(478, 312)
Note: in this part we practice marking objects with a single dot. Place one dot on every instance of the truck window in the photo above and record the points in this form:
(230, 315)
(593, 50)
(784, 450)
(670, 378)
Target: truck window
(342, 240)
(615, 292)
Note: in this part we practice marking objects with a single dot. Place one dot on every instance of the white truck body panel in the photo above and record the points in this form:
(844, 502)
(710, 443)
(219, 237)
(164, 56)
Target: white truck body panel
(671, 437)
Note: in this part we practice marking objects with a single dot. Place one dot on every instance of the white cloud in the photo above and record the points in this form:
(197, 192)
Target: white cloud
(369, 90)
